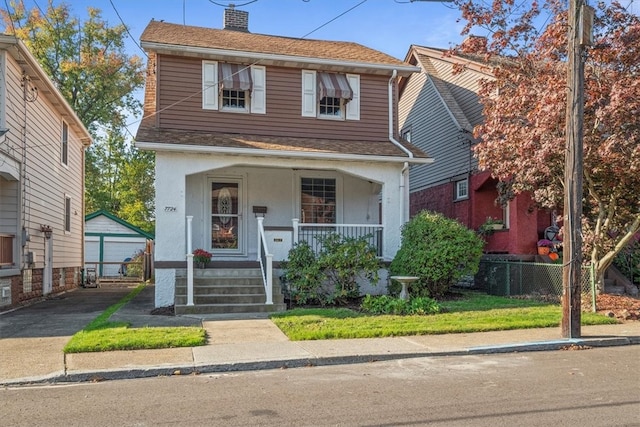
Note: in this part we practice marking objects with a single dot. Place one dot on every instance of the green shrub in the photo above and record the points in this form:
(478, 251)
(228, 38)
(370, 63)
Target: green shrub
(385, 304)
(135, 270)
(345, 260)
(332, 276)
(438, 250)
(303, 275)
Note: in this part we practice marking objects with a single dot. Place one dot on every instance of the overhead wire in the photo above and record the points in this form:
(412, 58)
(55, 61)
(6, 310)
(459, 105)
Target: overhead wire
(126, 27)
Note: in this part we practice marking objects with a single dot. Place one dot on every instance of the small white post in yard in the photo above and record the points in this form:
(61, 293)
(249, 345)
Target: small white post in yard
(189, 263)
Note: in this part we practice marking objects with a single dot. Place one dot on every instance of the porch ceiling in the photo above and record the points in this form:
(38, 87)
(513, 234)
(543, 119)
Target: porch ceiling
(278, 145)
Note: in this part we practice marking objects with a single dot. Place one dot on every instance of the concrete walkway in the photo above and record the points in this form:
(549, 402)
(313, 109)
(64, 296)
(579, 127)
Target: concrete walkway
(32, 339)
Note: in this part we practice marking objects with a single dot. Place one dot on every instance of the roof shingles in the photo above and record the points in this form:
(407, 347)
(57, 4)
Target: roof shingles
(212, 38)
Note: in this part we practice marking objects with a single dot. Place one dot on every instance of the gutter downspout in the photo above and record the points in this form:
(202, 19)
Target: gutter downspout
(404, 190)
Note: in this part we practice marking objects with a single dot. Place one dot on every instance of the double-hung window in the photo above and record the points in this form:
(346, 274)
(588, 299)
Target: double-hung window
(233, 87)
(330, 95)
(318, 200)
(462, 189)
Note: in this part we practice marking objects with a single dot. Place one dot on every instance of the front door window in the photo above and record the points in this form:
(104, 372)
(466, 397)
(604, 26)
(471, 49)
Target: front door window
(225, 215)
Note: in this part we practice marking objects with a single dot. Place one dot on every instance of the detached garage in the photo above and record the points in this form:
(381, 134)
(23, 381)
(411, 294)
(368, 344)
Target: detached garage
(109, 241)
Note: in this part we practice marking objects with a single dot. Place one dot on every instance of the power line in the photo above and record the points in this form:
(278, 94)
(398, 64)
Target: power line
(127, 28)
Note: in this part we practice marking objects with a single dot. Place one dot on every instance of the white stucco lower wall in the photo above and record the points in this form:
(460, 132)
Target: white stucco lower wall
(165, 287)
(380, 288)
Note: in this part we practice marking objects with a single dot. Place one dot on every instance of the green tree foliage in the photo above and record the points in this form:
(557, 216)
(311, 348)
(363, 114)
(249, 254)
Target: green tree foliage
(89, 65)
(119, 179)
(86, 60)
(438, 250)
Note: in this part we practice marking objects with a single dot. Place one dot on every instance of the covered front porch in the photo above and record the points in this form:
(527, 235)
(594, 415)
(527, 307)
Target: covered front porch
(248, 210)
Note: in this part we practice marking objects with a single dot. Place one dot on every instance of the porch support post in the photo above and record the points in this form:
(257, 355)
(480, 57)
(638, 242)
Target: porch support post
(189, 262)
(295, 230)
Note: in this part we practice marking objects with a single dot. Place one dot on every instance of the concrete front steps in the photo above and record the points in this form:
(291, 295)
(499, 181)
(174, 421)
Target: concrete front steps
(227, 291)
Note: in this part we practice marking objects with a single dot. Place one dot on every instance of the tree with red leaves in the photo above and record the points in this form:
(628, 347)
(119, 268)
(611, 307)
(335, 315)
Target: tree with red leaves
(522, 137)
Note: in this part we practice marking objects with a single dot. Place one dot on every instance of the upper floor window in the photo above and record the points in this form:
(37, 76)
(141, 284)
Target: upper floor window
(330, 95)
(65, 143)
(233, 87)
(462, 189)
(406, 135)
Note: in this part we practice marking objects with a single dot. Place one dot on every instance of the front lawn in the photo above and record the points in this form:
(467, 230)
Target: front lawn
(474, 312)
(102, 335)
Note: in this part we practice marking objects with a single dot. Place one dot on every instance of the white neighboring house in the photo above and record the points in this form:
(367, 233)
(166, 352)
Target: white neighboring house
(42, 155)
(109, 241)
(262, 141)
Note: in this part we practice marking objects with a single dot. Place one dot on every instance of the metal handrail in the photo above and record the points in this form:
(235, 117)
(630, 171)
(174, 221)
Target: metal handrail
(266, 262)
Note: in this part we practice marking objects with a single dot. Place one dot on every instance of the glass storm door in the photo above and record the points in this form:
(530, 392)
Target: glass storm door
(226, 216)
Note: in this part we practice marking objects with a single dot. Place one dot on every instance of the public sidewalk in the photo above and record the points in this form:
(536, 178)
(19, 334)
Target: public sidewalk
(238, 344)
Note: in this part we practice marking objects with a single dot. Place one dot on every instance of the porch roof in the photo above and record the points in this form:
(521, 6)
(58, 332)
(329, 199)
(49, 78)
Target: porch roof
(180, 140)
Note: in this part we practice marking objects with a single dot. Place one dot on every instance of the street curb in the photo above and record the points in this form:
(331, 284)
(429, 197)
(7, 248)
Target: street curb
(183, 370)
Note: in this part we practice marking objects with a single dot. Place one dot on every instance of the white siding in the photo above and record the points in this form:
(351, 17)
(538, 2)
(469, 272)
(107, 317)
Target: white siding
(464, 87)
(45, 179)
(102, 224)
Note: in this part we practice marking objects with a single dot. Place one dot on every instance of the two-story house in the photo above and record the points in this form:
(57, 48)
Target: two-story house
(42, 145)
(262, 141)
(438, 110)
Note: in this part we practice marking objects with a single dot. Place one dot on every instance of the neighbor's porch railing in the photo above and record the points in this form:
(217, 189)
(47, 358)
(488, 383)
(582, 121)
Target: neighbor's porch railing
(266, 262)
(310, 233)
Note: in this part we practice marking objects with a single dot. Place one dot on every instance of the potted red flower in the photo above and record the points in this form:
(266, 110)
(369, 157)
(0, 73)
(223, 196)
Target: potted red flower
(201, 257)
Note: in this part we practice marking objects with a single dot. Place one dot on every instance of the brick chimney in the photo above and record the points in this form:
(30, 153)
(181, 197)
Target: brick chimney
(236, 20)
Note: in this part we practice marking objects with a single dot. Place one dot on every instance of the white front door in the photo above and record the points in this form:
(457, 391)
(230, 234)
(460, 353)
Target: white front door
(227, 226)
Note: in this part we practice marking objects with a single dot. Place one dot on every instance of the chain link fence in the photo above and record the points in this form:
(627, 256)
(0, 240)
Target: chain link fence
(509, 278)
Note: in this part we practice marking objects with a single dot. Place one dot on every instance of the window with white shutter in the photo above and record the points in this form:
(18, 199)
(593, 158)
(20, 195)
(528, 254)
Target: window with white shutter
(330, 95)
(209, 85)
(234, 87)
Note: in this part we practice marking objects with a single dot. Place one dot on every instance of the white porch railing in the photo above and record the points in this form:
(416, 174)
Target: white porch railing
(266, 262)
(308, 232)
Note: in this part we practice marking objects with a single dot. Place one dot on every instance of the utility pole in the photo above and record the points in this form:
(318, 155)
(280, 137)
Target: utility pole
(580, 21)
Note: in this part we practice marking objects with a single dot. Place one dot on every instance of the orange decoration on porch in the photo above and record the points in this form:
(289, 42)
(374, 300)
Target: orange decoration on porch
(543, 250)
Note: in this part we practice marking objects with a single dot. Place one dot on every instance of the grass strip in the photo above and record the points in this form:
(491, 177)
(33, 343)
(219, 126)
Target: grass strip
(471, 314)
(102, 335)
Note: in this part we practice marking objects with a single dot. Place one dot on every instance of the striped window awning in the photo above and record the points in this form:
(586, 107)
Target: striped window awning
(235, 77)
(332, 85)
